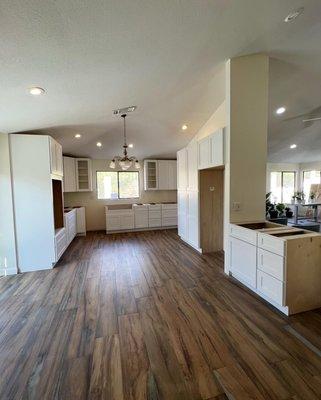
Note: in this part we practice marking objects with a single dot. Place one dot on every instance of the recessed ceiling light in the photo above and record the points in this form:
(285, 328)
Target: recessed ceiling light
(294, 14)
(98, 144)
(78, 135)
(184, 127)
(131, 145)
(293, 146)
(36, 91)
(280, 110)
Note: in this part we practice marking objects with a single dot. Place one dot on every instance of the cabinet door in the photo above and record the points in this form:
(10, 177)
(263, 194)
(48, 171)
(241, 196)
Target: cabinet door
(192, 166)
(141, 219)
(217, 148)
(127, 222)
(182, 205)
(53, 158)
(172, 175)
(83, 175)
(69, 174)
(243, 261)
(113, 222)
(56, 165)
(163, 175)
(150, 174)
(193, 218)
(204, 153)
(182, 169)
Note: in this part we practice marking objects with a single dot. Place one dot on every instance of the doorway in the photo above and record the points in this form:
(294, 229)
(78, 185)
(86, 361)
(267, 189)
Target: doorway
(211, 209)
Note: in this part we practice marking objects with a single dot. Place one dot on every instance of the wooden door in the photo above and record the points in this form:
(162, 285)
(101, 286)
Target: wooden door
(211, 209)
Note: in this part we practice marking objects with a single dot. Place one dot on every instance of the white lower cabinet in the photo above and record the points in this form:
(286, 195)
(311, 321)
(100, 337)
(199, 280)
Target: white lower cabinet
(141, 219)
(71, 225)
(60, 242)
(169, 214)
(270, 287)
(243, 261)
(127, 221)
(117, 220)
(112, 222)
(271, 264)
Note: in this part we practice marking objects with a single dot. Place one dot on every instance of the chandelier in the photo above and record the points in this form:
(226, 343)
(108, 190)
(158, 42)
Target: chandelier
(124, 161)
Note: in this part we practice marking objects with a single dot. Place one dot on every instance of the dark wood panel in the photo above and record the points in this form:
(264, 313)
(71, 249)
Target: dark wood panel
(143, 316)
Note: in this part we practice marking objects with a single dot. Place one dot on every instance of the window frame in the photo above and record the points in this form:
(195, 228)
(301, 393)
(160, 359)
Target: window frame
(285, 172)
(119, 198)
(309, 170)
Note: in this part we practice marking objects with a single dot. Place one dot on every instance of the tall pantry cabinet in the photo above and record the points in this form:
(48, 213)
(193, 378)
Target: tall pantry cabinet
(37, 171)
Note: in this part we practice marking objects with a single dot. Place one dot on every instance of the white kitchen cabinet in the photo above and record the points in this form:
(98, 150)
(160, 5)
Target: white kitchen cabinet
(167, 172)
(204, 153)
(69, 167)
(119, 219)
(60, 243)
(192, 166)
(242, 256)
(271, 264)
(193, 218)
(154, 215)
(141, 215)
(163, 175)
(160, 175)
(217, 148)
(83, 175)
(56, 163)
(211, 150)
(151, 174)
(182, 207)
(270, 287)
(71, 225)
(169, 214)
(182, 178)
(81, 220)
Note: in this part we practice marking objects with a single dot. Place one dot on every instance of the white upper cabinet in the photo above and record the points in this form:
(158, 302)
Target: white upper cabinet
(56, 164)
(70, 174)
(182, 178)
(211, 150)
(217, 148)
(160, 175)
(150, 175)
(192, 170)
(83, 175)
(167, 173)
(204, 153)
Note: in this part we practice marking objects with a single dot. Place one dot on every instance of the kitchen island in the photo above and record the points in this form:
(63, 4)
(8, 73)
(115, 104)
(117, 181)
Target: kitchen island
(279, 263)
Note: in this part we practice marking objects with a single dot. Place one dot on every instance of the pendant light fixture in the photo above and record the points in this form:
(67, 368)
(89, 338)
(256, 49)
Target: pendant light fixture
(124, 161)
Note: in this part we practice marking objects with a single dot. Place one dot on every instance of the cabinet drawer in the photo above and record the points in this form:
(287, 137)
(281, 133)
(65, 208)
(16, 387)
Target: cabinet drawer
(154, 207)
(169, 213)
(60, 243)
(172, 221)
(155, 222)
(245, 234)
(141, 219)
(270, 287)
(270, 243)
(169, 206)
(270, 263)
(112, 222)
(155, 214)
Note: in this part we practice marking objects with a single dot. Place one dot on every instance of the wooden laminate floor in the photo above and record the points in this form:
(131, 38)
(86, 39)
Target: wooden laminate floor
(143, 316)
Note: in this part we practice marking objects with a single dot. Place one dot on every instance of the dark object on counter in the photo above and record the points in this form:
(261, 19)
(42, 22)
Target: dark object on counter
(281, 220)
(288, 212)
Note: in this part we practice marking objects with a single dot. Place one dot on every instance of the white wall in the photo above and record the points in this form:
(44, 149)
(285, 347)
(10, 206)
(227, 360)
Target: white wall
(95, 209)
(7, 232)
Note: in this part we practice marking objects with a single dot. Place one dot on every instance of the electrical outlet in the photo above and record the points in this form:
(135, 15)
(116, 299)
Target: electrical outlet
(236, 206)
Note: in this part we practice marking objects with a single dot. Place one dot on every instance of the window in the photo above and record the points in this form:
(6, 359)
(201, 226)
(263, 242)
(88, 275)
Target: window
(282, 186)
(117, 185)
(310, 178)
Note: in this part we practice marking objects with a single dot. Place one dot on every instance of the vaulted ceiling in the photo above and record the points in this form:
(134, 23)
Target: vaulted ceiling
(165, 56)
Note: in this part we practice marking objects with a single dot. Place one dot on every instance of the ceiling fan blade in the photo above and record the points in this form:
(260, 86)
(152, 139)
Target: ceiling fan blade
(311, 119)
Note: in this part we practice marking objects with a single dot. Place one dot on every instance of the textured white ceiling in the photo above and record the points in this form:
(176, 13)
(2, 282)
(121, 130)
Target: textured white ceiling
(165, 56)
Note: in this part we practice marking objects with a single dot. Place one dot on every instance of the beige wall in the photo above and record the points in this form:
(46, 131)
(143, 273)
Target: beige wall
(95, 211)
(7, 233)
(248, 122)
